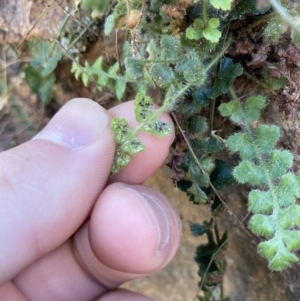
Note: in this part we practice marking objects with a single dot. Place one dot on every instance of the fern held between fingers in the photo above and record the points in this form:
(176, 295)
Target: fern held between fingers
(176, 48)
(176, 65)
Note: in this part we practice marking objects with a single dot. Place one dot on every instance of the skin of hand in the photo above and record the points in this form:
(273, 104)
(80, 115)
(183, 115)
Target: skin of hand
(69, 233)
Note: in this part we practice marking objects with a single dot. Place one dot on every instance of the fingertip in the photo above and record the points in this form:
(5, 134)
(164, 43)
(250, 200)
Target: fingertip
(134, 229)
(123, 295)
(77, 124)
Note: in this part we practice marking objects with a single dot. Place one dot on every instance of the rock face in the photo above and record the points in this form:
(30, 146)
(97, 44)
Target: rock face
(18, 19)
(247, 277)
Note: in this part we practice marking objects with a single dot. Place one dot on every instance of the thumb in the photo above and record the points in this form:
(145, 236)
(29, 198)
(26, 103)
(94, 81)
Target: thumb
(49, 184)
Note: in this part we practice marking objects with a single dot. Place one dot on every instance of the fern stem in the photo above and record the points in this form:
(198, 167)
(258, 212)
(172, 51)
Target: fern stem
(203, 171)
(216, 231)
(219, 247)
(204, 11)
(211, 115)
(276, 208)
(262, 163)
(81, 34)
(156, 113)
(233, 94)
(61, 28)
(284, 14)
(111, 76)
(160, 61)
(259, 82)
(218, 56)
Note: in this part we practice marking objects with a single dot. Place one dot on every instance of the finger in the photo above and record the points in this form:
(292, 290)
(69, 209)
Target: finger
(9, 292)
(122, 294)
(49, 184)
(133, 231)
(143, 164)
(57, 276)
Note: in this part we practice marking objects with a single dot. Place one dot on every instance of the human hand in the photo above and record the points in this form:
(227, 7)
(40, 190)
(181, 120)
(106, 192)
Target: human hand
(68, 234)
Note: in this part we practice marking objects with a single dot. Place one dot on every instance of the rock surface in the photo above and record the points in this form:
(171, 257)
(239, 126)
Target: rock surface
(18, 19)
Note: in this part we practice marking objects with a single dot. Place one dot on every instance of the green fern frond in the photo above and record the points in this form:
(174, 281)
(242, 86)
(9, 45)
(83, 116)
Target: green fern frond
(276, 216)
(40, 72)
(126, 138)
(109, 78)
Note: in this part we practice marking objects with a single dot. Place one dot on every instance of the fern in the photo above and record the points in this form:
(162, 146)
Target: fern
(98, 7)
(187, 71)
(221, 4)
(127, 141)
(276, 216)
(208, 27)
(283, 20)
(40, 72)
(103, 78)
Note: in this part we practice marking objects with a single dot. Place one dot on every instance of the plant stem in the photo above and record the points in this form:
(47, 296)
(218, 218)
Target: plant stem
(218, 56)
(204, 11)
(262, 164)
(81, 34)
(203, 171)
(216, 231)
(232, 93)
(61, 28)
(259, 82)
(160, 61)
(111, 76)
(156, 113)
(211, 115)
(219, 247)
(284, 14)
(75, 62)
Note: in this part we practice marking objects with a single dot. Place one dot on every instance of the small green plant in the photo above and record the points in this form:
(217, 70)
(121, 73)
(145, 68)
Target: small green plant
(164, 63)
(127, 141)
(210, 258)
(40, 72)
(103, 78)
(98, 8)
(276, 216)
(287, 13)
